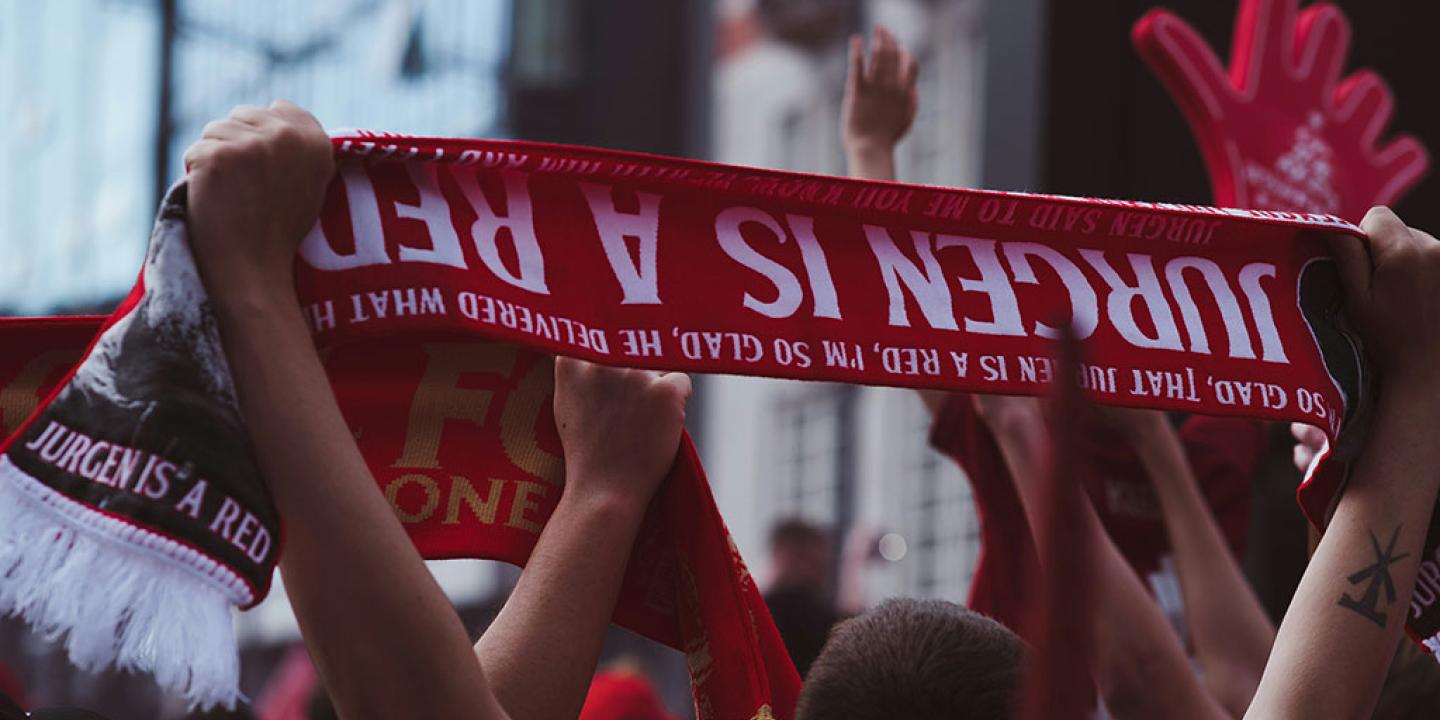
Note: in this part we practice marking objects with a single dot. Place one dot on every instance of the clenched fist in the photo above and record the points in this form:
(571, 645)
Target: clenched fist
(256, 182)
(620, 428)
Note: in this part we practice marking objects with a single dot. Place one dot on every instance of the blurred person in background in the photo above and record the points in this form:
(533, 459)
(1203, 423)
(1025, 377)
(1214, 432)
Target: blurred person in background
(622, 690)
(803, 599)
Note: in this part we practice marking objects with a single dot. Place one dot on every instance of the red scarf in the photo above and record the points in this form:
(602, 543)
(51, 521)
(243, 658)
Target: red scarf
(430, 250)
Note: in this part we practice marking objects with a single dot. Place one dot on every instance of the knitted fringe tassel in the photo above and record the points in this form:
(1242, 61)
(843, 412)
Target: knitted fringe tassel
(77, 575)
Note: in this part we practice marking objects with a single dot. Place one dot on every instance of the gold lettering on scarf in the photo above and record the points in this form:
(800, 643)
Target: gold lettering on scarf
(523, 503)
(432, 497)
(20, 397)
(517, 424)
(462, 491)
(440, 397)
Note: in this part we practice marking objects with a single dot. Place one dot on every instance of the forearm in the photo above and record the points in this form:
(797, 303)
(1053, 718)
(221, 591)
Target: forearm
(1230, 630)
(1138, 662)
(554, 623)
(870, 161)
(383, 635)
(1342, 618)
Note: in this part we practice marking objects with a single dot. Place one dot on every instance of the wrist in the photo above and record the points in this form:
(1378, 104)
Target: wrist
(240, 307)
(870, 153)
(617, 506)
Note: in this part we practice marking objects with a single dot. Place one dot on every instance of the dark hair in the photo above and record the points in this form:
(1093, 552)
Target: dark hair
(914, 659)
(793, 531)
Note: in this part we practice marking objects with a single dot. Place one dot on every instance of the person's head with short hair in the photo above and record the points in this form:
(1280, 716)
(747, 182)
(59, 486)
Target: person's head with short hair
(915, 659)
(800, 554)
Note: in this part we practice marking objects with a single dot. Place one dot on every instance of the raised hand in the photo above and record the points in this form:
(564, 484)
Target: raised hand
(1309, 441)
(879, 104)
(257, 179)
(1390, 300)
(620, 428)
(1281, 129)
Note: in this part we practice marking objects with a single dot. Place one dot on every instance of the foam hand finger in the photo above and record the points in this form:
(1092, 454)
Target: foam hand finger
(1264, 40)
(1404, 161)
(1184, 62)
(1322, 39)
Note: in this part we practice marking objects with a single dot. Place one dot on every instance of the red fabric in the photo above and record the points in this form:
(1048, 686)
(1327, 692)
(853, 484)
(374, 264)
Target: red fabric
(1224, 452)
(623, 696)
(1057, 682)
(1281, 128)
(10, 686)
(996, 588)
(429, 251)
(288, 691)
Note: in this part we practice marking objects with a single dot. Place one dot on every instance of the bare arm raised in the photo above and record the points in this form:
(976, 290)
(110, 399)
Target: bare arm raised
(383, 636)
(620, 430)
(1231, 632)
(1337, 639)
(1138, 662)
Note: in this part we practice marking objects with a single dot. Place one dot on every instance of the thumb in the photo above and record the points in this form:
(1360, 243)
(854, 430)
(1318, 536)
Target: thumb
(1352, 259)
(678, 382)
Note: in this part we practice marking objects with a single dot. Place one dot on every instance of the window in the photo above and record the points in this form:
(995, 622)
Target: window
(943, 535)
(814, 427)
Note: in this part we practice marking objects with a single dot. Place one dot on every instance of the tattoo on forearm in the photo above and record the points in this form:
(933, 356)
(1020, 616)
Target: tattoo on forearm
(1369, 604)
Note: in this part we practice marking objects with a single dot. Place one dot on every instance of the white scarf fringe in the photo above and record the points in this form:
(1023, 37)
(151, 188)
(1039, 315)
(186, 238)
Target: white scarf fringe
(79, 575)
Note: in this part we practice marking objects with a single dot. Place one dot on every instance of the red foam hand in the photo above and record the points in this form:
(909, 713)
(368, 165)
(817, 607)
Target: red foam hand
(1281, 129)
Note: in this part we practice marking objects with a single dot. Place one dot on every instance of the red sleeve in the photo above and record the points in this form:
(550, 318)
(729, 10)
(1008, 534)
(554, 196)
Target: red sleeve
(1225, 454)
(1005, 544)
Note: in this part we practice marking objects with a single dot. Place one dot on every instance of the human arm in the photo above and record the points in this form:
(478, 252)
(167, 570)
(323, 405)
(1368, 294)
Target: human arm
(1230, 630)
(620, 430)
(879, 105)
(1337, 639)
(1139, 665)
(384, 637)
(881, 98)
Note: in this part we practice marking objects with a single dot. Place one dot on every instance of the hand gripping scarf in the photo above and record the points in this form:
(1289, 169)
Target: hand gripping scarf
(442, 273)
(1319, 148)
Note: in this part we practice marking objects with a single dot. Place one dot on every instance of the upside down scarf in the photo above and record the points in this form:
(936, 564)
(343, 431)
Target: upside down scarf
(441, 273)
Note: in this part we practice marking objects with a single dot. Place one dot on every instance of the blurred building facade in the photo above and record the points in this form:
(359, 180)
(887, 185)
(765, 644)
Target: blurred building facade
(101, 98)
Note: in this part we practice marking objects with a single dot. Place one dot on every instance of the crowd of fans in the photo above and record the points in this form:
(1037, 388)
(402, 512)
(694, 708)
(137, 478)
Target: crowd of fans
(1168, 508)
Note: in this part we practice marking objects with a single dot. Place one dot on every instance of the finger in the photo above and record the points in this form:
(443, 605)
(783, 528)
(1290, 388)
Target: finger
(886, 58)
(1387, 233)
(1303, 456)
(290, 111)
(224, 130)
(1365, 99)
(1323, 36)
(909, 69)
(249, 115)
(1353, 262)
(1403, 162)
(1309, 435)
(1299, 431)
(199, 152)
(1185, 63)
(1264, 38)
(679, 382)
(857, 61)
